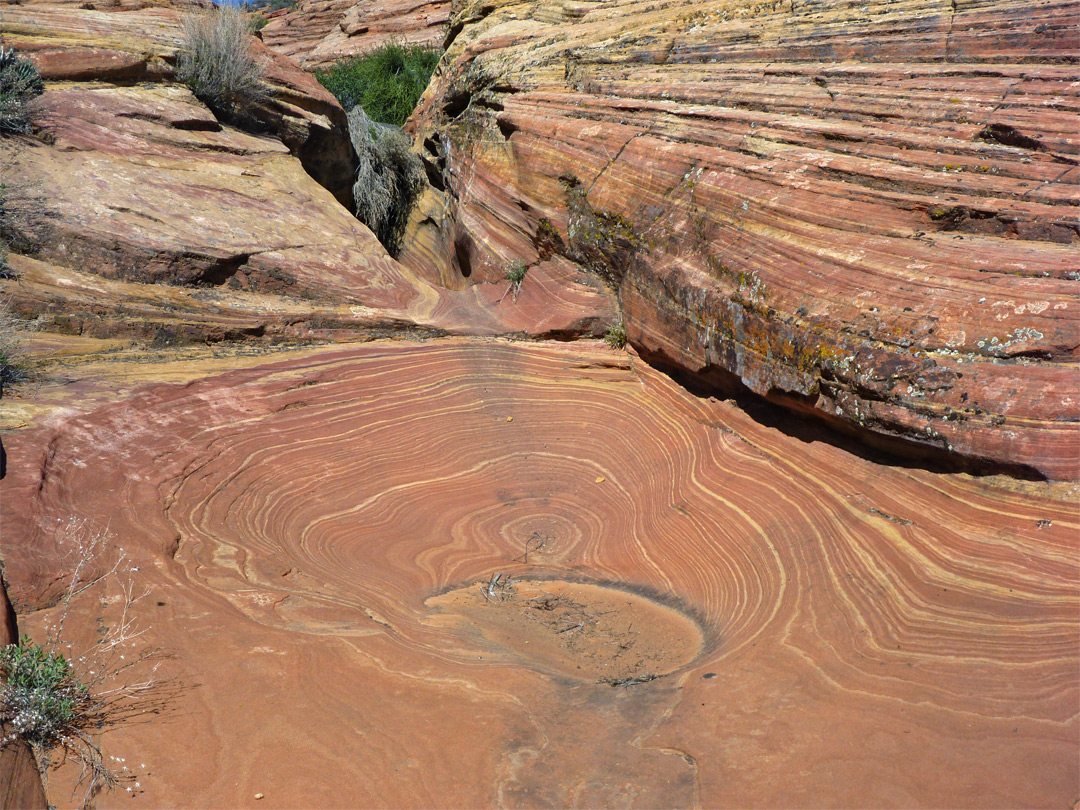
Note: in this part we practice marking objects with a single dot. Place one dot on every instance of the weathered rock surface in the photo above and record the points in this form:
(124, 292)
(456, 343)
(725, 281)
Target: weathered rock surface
(319, 32)
(872, 636)
(124, 45)
(790, 201)
(141, 186)
(866, 211)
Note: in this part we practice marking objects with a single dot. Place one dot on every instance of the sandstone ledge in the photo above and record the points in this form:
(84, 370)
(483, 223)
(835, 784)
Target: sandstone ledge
(866, 211)
(320, 32)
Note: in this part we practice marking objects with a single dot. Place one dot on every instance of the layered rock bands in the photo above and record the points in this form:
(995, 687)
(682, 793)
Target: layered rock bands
(855, 635)
(863, 210)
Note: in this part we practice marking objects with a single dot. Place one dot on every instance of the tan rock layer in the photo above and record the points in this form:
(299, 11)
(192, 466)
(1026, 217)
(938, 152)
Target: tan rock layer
(125, 45)
(863, 210)
(320, 32)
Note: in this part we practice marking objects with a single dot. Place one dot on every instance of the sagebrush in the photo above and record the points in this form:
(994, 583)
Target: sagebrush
(387, 81)
(216, 60)
(20, 84)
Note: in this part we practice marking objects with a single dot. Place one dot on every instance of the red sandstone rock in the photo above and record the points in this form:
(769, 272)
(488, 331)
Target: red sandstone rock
(77, 44)
(872, 635)
(862, 210)
(320, 32)
(141, 185)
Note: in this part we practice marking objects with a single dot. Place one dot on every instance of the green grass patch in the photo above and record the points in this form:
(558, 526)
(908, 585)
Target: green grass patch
(387, 82)
(615, 337)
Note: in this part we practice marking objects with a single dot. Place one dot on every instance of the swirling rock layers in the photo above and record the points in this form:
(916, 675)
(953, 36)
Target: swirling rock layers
(872, 635)
(866, 211)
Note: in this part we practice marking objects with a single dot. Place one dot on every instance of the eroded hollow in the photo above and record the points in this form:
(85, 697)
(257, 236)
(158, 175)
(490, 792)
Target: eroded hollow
(593, 632)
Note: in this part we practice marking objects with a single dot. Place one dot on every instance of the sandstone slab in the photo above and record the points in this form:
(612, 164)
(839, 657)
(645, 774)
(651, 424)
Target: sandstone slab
(318, 33)
(864, 211)
(869, 635)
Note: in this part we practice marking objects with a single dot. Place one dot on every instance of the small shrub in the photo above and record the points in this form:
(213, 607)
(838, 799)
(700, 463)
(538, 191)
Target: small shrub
(387, 82)
(389, 178)
(40, 696)
(216, 62)
(257, 22)
(20, 83)
(270, 5)
(515, 274)
(615, 337)
(56, 699)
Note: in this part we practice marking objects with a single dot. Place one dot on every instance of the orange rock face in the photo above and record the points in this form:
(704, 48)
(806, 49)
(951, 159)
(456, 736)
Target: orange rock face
(865, 211)
(865, 635)
(320, 32)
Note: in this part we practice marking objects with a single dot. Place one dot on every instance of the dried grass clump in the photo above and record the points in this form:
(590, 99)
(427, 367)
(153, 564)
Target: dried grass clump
(389, 178)
(216, 60)
(14, 360)
(22, 211)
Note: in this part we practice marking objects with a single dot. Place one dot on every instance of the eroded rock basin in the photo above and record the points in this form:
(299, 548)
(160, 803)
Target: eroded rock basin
(592, 632)
(874, 636)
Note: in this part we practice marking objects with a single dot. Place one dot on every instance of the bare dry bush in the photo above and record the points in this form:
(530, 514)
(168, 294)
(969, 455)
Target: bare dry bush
(389, 178)
(22, 207)
(15, 361)
(216, 60)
